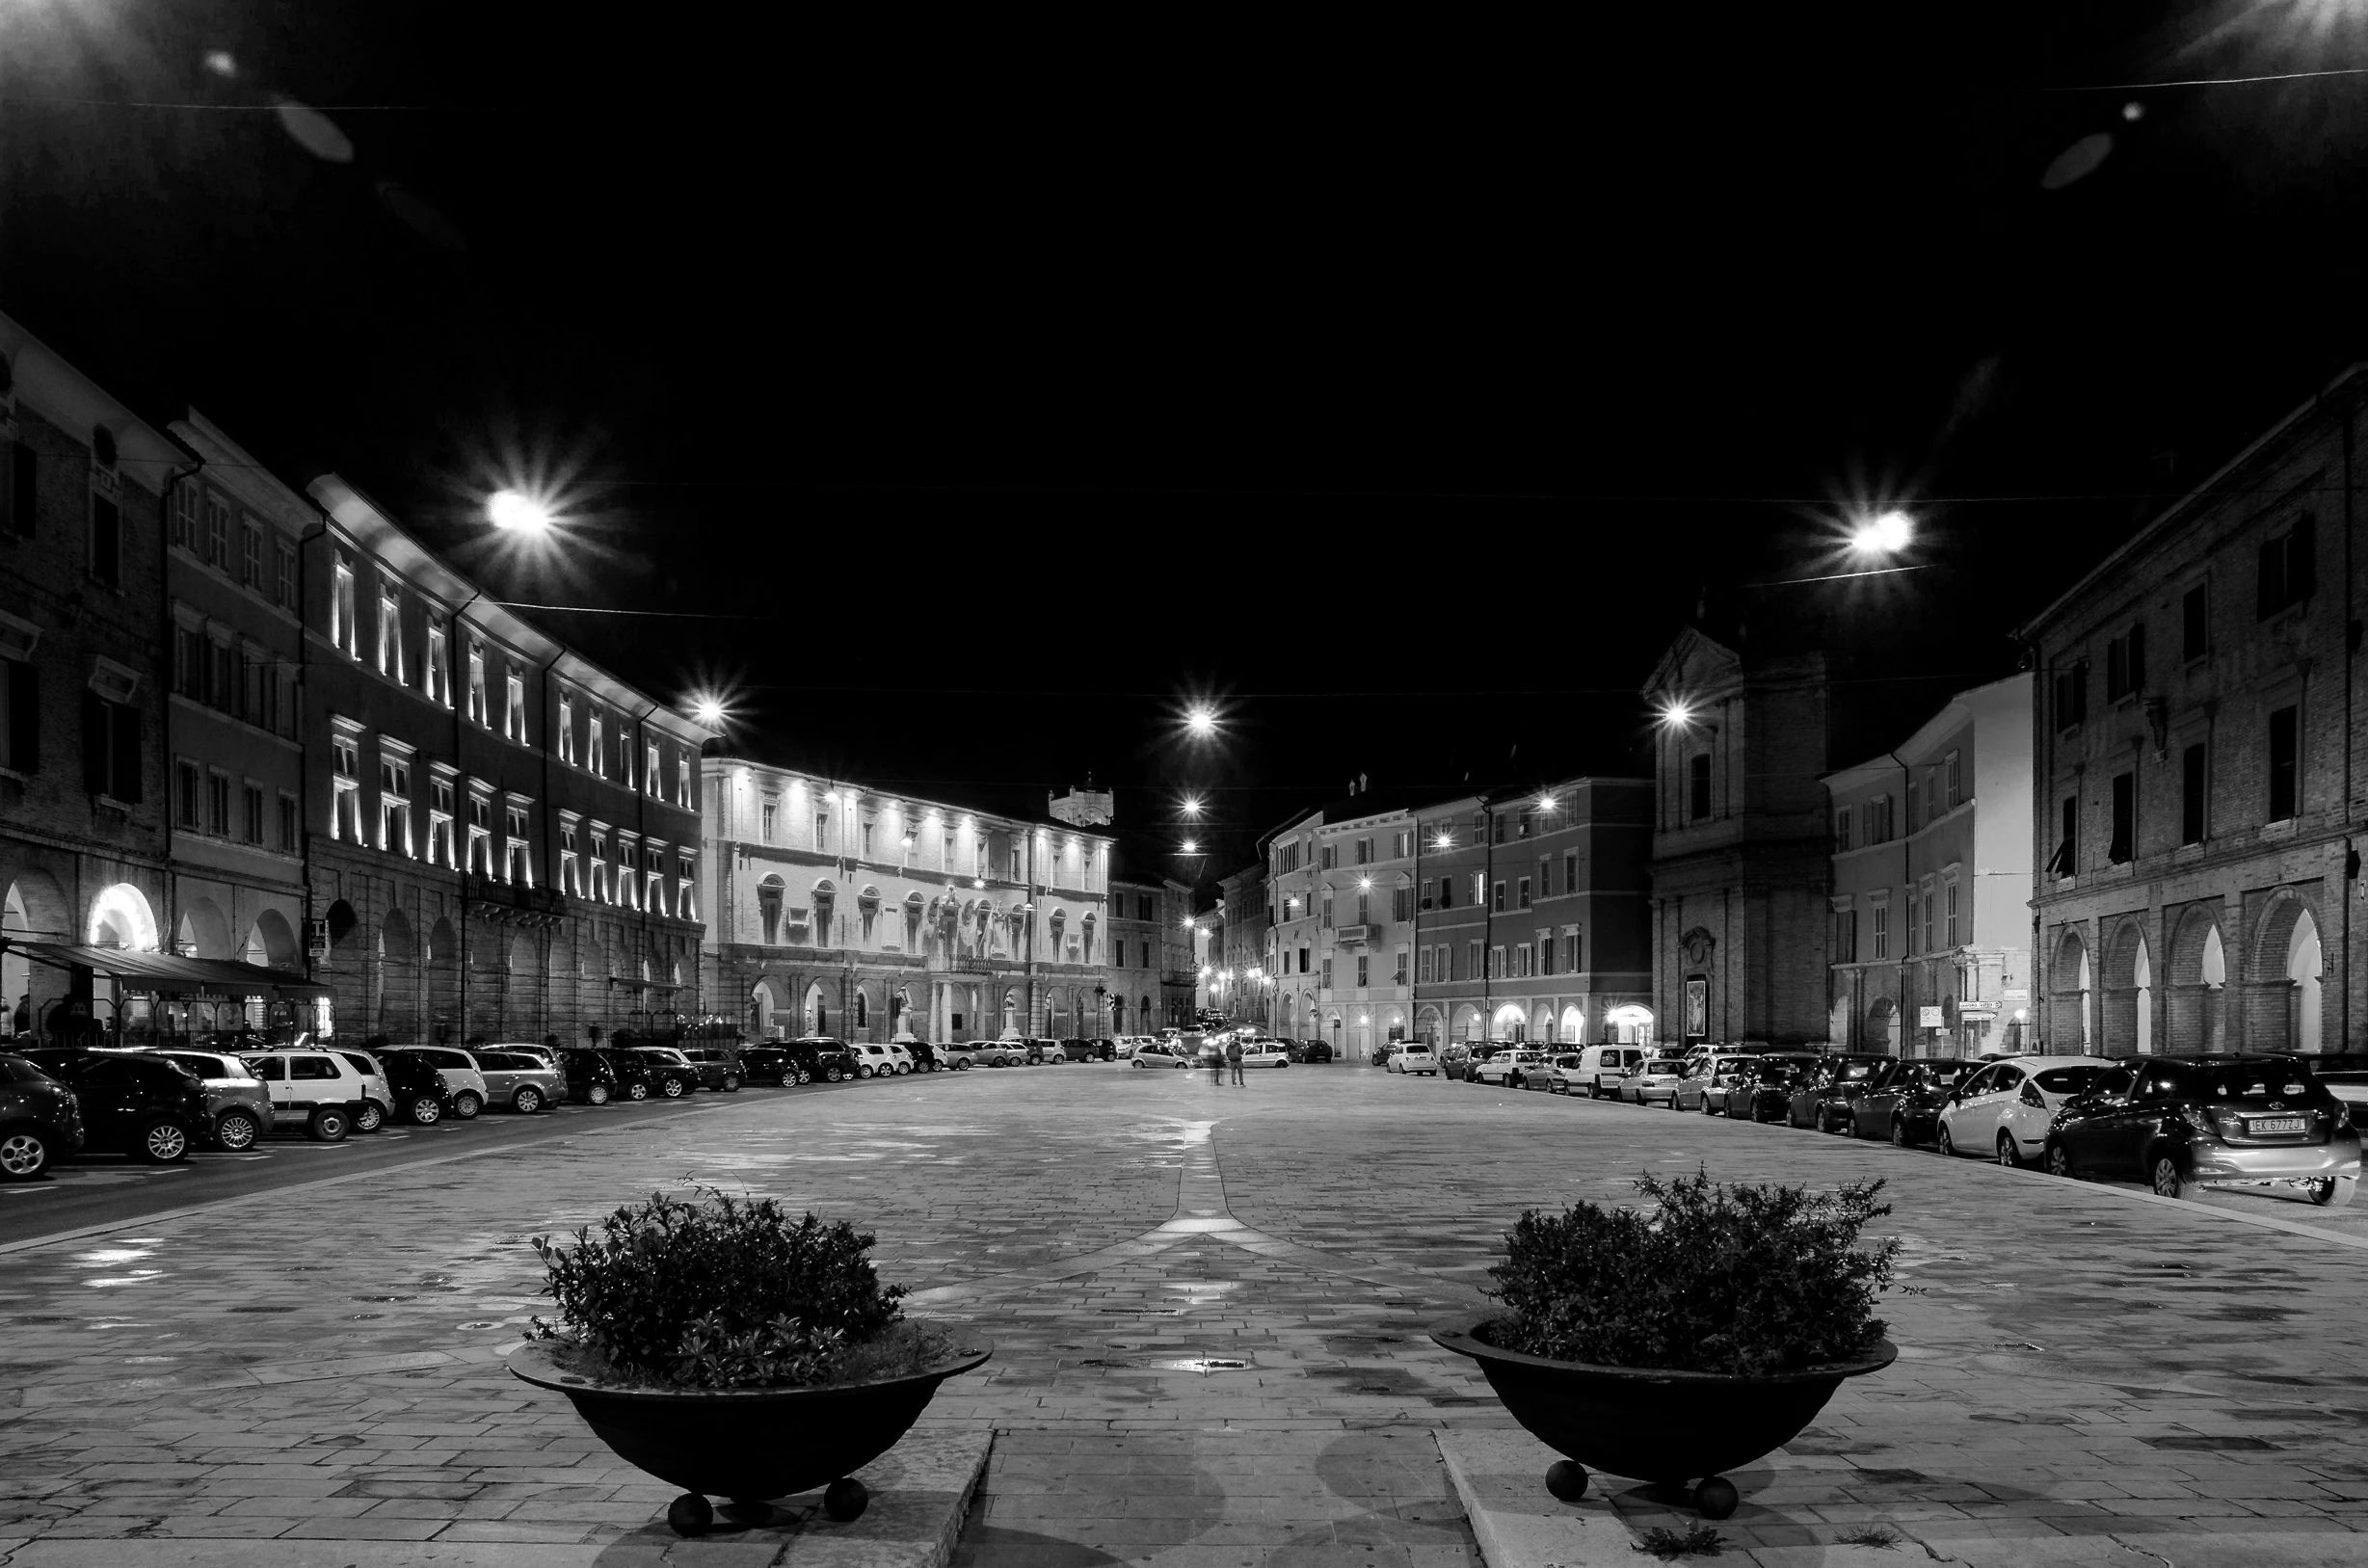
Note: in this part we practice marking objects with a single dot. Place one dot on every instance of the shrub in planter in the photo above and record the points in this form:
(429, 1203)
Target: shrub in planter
(718, 1344)
(1687, 1338)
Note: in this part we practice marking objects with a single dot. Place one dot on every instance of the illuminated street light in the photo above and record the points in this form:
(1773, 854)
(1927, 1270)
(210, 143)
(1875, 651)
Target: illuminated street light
(1192, 806)
(1364, 884)
(1200, 721)
(1545, 802)
(519, 512)
(1445, 840)
(1191, 848)
(708, 710)
(1676, 714)
(1886, 533)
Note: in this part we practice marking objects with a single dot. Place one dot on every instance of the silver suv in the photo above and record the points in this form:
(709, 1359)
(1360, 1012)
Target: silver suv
(238, 1107)
(316, 1090)
(464, 1079)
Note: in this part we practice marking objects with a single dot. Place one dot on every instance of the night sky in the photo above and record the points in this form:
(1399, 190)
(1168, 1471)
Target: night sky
(969, 401)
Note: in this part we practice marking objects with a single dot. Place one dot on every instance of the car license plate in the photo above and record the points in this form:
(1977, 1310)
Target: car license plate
(2278, 1124)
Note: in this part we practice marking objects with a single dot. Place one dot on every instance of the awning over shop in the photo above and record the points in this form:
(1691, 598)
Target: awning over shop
(169, 974)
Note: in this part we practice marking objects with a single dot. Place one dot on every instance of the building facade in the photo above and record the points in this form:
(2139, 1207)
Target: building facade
(1180, 964)
(1249, 939)
(234, 740)
(1531, 916)
(2199, 766)
(837, 910)
(1147, 950)
(1741, 851)
(502, 839)
(1342, 896)
(1931, 860)
(83, 851)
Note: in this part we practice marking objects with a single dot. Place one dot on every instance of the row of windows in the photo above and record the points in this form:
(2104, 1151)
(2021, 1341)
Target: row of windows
(21, 506)
(232, 677)
(2281, 797)
(1932, 923)
(207, 800)
(259, 558)
(2285, 573)
(1068, 867)
(606, 747)
(1362, 970)
(111, 735)
(1932, 793)
(1549, 954)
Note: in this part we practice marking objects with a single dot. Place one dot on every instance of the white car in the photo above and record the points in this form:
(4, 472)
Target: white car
(902, 1058)
(1511, 1068)
(316, 1090)
(2010, 1105)
(1159, 1055)
(1263, 1053)
(1570, 1075)
(1705, 1088)
(1416, 1056)
(872, 1061)
(1602, 1067)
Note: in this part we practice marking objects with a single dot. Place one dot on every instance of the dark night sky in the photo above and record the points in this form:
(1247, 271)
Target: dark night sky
(1404, 389)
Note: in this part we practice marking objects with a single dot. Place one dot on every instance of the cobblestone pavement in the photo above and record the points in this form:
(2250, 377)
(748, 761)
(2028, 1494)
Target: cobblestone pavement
(1209, 1305)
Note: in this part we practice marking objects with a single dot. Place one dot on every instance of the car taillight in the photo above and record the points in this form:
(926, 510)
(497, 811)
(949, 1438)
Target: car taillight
(2211, 1126)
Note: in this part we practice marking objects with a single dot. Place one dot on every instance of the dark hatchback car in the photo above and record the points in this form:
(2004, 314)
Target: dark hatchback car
(1317, 1051)
(1822, 1099)
(718, 1066)
(2181, 1125)
(924, 1056)
(134, 1104)
(641, 1075)
(39, 1120)
(823, 1057)
(421, 1093)
(1904, 1100)
(592, 1079)
(672, 1075)
(769, 1063)
(1763, 1090)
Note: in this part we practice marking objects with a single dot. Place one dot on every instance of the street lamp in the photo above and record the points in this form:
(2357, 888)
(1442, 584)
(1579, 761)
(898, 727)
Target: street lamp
(1200, 721)
(518, 512)
(710, 709)
(1885, 533)
(1191, 806)
(1191, 848)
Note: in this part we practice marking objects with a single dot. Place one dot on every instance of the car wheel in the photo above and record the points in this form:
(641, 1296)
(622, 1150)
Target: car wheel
(732, 1084)
(527, 1101)
(370, 1118)
(24, 1153)
(1899, 1132)
(1849, 1127)
(2010, 1152)
(235, 1130)
(805, 1076)
(2168, 1178)
(637, 1091)
(1944, 1142)
(2057, 1160)
(426, 1110)
(831, 1074)
(862, 1070)
(328, 1125)
(597, 1094)
(466, 1105)
(1706, 1106)
(672, 1088)
(2335, 1192)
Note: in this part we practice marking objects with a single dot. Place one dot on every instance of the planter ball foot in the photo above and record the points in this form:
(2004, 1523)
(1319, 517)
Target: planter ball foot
(1567, 1479)
(846, 1499)
(1717, 1498)
(751, 1514)
(689, 1514)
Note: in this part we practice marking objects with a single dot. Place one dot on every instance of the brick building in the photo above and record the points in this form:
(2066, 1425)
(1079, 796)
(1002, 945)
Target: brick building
(1249, 991)
(1932, 871)
(83, 852)
(1532, 920)
(2199, 764)
(1341, 898)
(502, 839)
(836, 910)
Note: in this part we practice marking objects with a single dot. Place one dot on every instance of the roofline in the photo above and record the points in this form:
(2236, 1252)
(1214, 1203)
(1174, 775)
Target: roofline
(1884, 763)
(736, 759)
(2194, 500)
(59, 392)
(370, 523)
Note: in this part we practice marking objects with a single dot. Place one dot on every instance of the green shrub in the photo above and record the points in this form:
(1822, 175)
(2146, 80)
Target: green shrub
(1711, 1278)
(718, 1293)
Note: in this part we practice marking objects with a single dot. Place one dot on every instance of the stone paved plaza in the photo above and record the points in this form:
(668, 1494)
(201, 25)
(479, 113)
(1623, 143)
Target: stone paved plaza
(1209, 1306)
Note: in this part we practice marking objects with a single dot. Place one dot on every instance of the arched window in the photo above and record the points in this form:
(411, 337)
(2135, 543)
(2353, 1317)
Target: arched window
(769, 893)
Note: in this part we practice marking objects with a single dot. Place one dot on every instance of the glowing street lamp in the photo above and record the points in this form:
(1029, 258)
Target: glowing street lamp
(518, 512)
(1191, 848)
(1191, 806)
(1676, 715)
(710, 709)
(1886, 533)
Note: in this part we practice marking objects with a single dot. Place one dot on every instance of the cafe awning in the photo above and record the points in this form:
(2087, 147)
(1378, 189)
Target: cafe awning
(168, 974)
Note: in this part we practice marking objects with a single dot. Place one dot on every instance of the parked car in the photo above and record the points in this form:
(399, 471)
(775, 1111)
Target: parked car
(1317, 1051)
(823, 1057)
(520, 1080)
(315, 1089)
(1601, 1068)
(1262, 1053)
(900, 1060)
(590, 1077)
(421, 1093)
(1418, 1057)
(1654, 1078)
(2183, 1124)
(1704, 1087)
(238, 1107)
(718, 1066)
(464, 1084)
(1973, 1118)
(377, 1094)
(1042, 1049)
(872, 1061)
(1563, 1074)
(1163, 1055)
(40, 1119)
(924, 1056)
(643, 1070)
(131, 1102)
(1903, 1101)
(1511, 1068)
(1832, 1078)
(1101, 1047)
(1762, 1091)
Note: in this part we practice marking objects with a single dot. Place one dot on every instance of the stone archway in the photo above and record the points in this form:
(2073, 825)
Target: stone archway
(2194, 992)
(2069, 984)
(814, 1017)
(203, 931)
(1884, 1026)
(1574, 1029)
(397, 982)
(2129, 997)
(760, 1006)
(276, 938)
(2283, 971)
(121, 917)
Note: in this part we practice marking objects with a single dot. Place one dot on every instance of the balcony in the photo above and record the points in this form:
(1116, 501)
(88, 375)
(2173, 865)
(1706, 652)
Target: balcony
(1355, 935)
(514, 900)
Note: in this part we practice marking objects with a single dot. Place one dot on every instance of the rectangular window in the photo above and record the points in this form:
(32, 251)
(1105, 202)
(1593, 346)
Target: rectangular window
(682, 778)
(440, 824)
(477, 709)
(1497, 897)
(2124, 846)
(1401, 904)
(1472, 961)
(1955, 767)
(106, 541)
(822, 833)
(1545, 952)
(653, 782)
(1364, 970)
(596, 746)
(1496, 964)
(343, 634)
(1327, 908)
(2065, 862)
(111, 749)
(2288, 570)
(1521, 891)
(567, 727)
(1928, 920)
(1497, 828)
(2191, 794)
(2071, 695)
(187, 523)
(1698, 787)
(187, 791)
(283, 560)
(1570, 871)
(768, 816)
(1324, 857)
(1845, 936)
(1430, 892)
(2125, 663)
(514, 708)
(2195, 623)
(251, 817)
(1422, 968)
(1324, 979)
(218, 532)
(251, 557)
(435, 674)
(389, 635)
(288, 824)
(1882, 930)
(1950, 893)
(1915, 804)
(1842, 831)
(1365, 908)
(2285, 757)
(218, 805)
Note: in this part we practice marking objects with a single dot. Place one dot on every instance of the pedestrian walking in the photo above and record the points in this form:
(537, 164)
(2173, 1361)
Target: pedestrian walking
(1216, 1063)
(1233, 1054)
